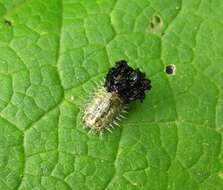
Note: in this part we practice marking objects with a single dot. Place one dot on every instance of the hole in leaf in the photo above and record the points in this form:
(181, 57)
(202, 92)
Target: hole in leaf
(170, 69)
(155, 24)
(8, 22)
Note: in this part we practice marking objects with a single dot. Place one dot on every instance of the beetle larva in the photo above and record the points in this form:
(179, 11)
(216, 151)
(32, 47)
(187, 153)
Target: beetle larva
(122, 85)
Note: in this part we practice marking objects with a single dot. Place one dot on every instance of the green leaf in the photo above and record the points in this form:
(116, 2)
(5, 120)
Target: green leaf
(51, 54)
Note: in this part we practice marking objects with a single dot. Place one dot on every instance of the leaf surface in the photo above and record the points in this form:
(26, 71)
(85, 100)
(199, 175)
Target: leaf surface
(51, 54)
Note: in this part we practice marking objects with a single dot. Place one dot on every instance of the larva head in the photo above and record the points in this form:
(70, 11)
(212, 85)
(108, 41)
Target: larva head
(130, 84)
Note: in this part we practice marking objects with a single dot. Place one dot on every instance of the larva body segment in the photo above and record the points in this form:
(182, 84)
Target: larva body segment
(102, 111)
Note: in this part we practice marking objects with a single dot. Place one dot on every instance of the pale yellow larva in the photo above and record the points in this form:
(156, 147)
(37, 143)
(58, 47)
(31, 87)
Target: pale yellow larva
(103, 111)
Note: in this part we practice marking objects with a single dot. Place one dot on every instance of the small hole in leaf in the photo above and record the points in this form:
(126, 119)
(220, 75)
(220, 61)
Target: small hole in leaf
(152, 25)
(156, 24)
(8, 22)
(170, 69)
(157, 19)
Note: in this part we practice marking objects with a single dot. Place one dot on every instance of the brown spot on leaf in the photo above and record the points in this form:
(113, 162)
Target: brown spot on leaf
(155, 24)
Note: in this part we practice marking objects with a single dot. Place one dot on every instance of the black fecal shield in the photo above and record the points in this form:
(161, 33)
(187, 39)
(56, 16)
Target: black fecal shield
(130, 84)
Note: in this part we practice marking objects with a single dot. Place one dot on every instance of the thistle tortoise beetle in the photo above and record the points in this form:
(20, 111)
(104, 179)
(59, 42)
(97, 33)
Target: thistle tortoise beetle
(122, 85)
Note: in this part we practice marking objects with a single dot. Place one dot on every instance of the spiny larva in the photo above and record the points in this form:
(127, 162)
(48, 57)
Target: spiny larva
(107, 105)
